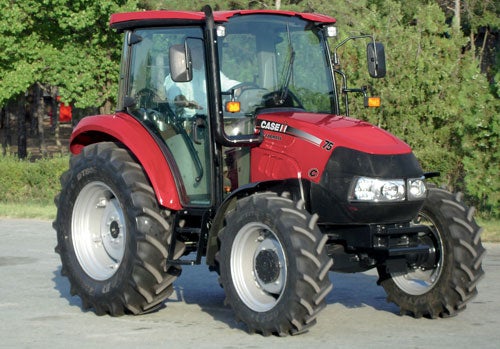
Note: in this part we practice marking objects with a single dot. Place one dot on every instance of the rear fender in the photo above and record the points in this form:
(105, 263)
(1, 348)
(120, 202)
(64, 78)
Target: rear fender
(124, 129)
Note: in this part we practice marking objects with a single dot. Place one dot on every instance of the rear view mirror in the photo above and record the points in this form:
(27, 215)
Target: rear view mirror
(180, 63)
(376, 59)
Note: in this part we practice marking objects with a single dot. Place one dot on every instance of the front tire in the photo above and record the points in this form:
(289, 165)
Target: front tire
(445, 289)
(113, 239)
(273, 264)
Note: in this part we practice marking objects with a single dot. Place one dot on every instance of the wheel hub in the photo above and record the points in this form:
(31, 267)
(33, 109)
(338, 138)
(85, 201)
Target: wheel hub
(114, 229)
(433, 256)
(268, 263)
(111, 230)
(267, 266)
(422, 279)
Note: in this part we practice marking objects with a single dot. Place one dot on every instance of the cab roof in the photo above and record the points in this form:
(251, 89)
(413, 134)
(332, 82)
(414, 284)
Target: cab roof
(131, 20)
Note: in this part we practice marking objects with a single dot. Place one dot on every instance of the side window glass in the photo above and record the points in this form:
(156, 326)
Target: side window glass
(175, 111)
(240, 80)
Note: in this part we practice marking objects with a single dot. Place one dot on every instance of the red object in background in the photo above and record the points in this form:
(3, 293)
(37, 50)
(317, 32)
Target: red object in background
(65, 111)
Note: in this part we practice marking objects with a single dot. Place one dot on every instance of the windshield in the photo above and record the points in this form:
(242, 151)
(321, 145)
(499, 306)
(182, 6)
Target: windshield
(279, 61)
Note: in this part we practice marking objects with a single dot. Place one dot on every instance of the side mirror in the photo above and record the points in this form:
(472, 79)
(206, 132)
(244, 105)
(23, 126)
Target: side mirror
(376, 59)
(180, 63)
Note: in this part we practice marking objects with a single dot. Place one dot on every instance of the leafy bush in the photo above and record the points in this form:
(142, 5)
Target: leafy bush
(23, 181)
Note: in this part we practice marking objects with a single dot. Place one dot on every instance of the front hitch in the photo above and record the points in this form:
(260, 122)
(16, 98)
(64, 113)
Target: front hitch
(402, 249)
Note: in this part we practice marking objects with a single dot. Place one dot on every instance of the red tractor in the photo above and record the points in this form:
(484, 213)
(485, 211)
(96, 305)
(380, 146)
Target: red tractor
(228, 146)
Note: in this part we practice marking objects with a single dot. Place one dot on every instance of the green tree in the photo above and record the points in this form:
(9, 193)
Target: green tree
(194, 5)
(62, 43)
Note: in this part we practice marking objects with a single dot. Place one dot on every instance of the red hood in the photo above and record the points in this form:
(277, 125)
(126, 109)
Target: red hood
(341, 131)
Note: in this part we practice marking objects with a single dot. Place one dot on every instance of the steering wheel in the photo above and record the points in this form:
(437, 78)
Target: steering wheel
(273, 99)
(148, 102)
(249, 94)
(243, 86)
(146, 98)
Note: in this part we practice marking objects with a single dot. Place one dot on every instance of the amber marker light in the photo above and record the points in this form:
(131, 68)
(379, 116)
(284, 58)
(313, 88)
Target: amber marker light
(233, 107)
(373, 102)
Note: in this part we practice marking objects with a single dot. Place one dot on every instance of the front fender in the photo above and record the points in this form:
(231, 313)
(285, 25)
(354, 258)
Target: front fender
(297, 188)
(125, 129)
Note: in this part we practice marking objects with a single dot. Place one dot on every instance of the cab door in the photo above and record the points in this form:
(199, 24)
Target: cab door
(174, 107)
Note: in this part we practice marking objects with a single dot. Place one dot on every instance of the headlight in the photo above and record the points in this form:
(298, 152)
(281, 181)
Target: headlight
(416, 189)
(387, 190)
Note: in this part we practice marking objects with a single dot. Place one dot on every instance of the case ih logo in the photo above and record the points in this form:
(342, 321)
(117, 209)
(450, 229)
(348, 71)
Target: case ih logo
(282, 128)
(273, 126)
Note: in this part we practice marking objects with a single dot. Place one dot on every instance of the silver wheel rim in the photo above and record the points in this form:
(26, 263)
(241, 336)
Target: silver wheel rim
(420, 281)
(258, 267)
(98, 231)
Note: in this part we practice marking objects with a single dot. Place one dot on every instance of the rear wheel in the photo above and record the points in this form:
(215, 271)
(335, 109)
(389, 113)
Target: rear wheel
(273, 265)
(112, 237)
(444, 287)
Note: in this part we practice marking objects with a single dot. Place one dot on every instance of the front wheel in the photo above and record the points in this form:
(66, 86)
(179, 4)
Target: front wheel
(456, 252)
(273, 264)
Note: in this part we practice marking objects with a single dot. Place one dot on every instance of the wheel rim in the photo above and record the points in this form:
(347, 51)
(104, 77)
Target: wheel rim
(421, 280)
(98, 231)
(258, 267)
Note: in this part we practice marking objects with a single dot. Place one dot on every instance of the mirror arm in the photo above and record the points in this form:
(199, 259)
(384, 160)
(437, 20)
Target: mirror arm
(336, 60)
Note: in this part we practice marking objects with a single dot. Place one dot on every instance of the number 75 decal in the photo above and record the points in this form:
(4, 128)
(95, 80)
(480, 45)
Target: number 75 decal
(328, 145)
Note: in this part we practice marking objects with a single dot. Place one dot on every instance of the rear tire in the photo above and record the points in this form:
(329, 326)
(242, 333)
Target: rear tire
(273, 265)
(444, 290)
(112, 237)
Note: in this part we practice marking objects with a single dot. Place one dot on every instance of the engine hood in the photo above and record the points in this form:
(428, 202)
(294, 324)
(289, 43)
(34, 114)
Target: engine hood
(332, 131)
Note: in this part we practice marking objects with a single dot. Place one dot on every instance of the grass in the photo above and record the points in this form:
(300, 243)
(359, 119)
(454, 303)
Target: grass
(46, 212)
(491, 232)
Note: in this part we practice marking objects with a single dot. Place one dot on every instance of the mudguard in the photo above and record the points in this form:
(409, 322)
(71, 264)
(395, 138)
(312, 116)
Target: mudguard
(123, 128)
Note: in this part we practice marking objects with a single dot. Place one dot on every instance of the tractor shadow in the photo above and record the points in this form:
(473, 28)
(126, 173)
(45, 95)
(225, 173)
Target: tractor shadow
(61, 284)
(198, 286)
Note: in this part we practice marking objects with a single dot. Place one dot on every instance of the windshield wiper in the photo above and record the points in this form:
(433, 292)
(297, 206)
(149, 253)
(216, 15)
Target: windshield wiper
(287, 76)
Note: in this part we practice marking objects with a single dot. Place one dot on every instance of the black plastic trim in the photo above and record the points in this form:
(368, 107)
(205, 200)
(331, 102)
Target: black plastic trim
(329, 197)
